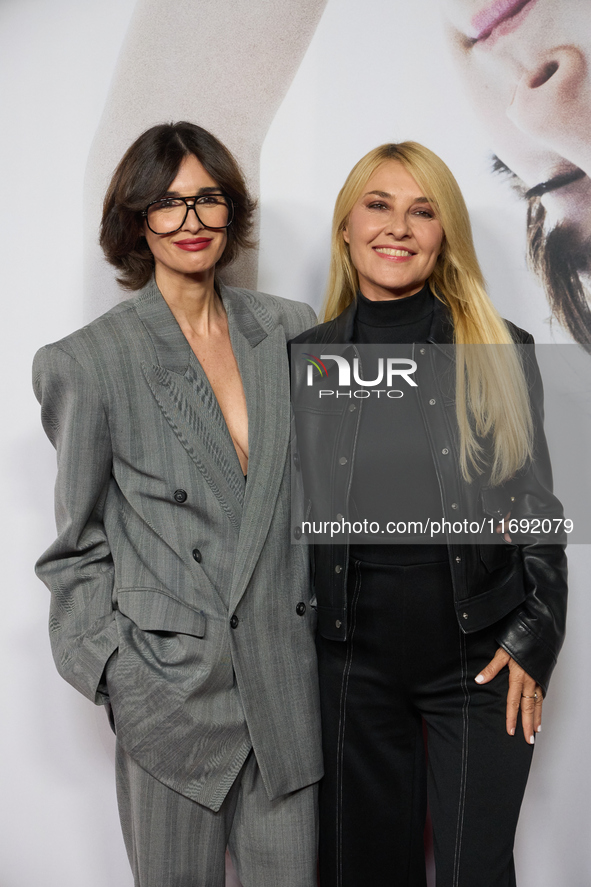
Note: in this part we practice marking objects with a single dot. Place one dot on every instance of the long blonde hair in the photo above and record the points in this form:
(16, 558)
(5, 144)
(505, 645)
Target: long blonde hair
(491, 390)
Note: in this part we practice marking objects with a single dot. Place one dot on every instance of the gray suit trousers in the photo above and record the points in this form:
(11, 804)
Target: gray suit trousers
(175, 842)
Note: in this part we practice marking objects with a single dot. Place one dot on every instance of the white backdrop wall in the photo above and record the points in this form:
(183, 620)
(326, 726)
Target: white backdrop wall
(319, 86)
(59, 817)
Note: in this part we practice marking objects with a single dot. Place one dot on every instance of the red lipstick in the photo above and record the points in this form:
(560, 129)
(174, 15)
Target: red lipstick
(193, 244)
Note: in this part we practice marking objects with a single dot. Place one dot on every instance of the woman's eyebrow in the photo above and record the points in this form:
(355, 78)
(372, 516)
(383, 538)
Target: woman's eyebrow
(210, 189)
(387, 195)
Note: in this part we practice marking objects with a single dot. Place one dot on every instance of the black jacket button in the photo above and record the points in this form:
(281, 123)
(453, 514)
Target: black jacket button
(197, 555)
(301, 608)
(297, 533)
(234, 621)
(180, 496)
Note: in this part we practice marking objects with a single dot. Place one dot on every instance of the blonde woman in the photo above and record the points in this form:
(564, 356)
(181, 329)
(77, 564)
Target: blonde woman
(456, 641)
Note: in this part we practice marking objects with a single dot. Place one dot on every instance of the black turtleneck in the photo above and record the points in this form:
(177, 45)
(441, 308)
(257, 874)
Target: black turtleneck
(394, 321)
(393, 461)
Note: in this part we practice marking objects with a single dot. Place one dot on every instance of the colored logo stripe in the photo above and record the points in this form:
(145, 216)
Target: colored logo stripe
(311, 358)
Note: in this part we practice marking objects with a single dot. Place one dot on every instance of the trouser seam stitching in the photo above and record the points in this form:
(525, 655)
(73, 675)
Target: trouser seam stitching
(342, 719)
(464, 766)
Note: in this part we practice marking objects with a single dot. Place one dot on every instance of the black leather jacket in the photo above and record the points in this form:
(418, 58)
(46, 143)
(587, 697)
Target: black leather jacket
(522, 587)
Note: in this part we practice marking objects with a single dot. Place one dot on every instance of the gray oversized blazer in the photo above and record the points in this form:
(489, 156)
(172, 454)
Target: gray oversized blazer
(167, 556)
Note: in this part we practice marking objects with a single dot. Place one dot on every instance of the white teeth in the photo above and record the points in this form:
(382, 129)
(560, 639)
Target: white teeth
(394, 252)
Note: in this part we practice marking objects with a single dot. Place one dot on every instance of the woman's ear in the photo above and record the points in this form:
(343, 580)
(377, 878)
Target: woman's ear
(345, 234)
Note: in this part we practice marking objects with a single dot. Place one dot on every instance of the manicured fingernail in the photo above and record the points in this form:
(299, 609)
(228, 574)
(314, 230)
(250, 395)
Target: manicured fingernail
(479, 678)
(512, 731)
(532, 739)
(539, 729)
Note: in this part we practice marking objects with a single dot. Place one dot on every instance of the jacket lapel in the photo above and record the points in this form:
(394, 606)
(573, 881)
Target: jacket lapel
(183, 393)
(262, 359)
(189, 405)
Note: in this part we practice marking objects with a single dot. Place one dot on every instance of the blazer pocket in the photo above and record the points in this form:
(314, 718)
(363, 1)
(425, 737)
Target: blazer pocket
(152, 609)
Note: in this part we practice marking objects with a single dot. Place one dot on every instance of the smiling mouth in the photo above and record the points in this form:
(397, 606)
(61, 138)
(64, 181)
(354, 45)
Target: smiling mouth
(389, 251)
(560, 181)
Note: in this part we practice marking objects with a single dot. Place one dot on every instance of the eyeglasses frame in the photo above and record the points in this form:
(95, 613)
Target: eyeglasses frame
(188, 207)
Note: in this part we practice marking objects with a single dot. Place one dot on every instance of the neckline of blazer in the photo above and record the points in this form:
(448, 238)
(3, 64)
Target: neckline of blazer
(172, 348)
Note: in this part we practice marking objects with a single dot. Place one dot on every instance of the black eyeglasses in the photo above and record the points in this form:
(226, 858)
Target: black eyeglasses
(168, 214)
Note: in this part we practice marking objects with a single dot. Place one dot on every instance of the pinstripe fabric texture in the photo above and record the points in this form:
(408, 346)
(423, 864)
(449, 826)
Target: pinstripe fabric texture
(173, 841)
(134, 570)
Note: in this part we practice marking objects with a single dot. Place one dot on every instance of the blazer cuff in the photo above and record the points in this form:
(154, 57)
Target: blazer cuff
(85, 665)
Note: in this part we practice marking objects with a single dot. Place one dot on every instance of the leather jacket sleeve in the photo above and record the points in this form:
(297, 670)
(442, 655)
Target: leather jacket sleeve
(533, 633)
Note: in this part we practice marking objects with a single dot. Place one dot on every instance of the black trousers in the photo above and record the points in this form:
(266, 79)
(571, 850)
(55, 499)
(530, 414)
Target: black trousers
(406, 661)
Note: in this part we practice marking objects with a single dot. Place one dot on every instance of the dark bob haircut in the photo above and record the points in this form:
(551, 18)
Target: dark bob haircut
(144, 174)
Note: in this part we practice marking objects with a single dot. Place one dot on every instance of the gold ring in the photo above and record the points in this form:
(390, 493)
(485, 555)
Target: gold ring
(523, 696)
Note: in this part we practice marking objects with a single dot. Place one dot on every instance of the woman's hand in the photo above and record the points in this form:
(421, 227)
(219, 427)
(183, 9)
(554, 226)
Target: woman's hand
(523, 693)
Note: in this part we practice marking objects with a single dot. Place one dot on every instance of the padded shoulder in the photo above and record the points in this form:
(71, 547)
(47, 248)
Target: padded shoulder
(272, 311)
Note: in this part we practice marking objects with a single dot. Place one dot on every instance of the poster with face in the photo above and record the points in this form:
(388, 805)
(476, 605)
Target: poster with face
(494, 90)
(526, 70)
(500, 90)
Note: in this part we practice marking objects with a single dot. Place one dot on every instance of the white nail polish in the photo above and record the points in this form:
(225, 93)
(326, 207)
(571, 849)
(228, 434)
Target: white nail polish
(479, 679)
(512, 731)
(532, 740)
(539, 729)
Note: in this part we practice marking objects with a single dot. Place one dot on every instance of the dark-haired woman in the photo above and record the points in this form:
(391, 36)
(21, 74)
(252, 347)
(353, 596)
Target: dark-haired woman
(176, 595)
(461, 638)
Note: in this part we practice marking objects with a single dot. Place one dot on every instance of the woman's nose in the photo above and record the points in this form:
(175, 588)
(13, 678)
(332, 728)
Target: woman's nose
(192, 222)
(397, 225)
(552, 103)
